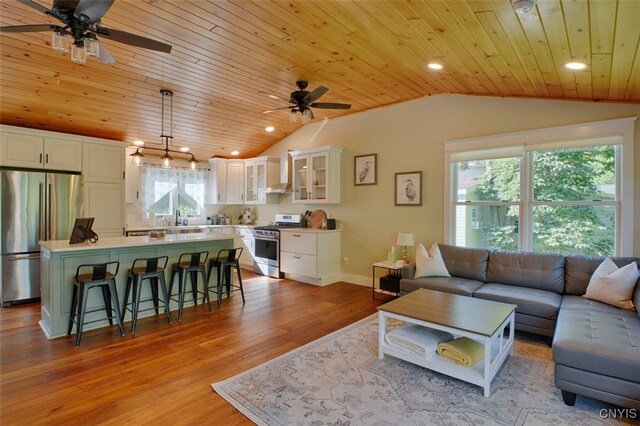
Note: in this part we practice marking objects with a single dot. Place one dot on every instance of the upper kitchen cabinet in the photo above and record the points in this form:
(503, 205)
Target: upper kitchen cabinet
(316, 175)
(103, 162)
(217, 181)
(260, 173)
(36, 152)
(132, 179)
(235, 182)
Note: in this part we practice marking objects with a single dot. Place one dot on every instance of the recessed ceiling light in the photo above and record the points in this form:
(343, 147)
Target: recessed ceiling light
(269, 129)
(576, 65)
(235, 152)
(184, 149)
(138, 142)
(435, 66)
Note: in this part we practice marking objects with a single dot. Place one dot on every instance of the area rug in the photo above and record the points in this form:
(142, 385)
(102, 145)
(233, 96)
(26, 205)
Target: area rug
(339, 380)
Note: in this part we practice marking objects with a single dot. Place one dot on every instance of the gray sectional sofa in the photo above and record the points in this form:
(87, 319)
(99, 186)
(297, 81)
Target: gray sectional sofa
(596, 347)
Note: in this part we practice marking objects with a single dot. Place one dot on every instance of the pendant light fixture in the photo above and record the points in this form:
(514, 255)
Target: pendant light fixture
(167, 137)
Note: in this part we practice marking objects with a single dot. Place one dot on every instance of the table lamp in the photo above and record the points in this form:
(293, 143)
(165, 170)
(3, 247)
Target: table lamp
(405, 239)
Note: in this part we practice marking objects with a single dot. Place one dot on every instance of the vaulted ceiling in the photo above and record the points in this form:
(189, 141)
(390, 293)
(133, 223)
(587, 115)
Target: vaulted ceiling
(368, 53)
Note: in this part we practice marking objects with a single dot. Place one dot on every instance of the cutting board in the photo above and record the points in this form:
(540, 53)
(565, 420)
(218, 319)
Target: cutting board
(315, 219)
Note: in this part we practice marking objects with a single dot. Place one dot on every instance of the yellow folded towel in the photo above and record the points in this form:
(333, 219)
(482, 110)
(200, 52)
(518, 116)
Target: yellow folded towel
(462, 351)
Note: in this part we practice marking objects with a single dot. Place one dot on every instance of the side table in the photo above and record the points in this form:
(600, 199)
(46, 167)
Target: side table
(393, 271)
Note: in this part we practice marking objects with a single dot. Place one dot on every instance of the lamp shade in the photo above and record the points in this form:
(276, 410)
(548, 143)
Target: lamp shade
(405, 239)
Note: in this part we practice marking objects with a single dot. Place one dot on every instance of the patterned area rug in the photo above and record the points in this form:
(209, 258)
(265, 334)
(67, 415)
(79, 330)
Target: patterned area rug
(339, 380)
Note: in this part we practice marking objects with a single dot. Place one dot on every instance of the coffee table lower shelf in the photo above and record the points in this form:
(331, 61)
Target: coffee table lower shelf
(497, 348)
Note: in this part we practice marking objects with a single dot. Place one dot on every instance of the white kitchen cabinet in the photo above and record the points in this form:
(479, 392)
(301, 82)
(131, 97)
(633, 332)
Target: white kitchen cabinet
(260, 173)
(247, 241)
(105, 202)
(316, 175)
(217, 181)
(132, 179)
(36, 151)
(235, 181)
(311, 256)
(103, 162)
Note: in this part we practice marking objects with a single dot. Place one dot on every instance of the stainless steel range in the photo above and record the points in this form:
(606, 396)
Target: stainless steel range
(267, 240)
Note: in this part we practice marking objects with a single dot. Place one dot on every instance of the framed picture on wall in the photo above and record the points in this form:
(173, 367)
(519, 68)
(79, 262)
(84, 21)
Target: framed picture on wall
(409, 189)
(366, 169)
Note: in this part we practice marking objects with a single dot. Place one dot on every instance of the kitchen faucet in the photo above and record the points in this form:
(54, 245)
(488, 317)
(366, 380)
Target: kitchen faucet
(177, 217)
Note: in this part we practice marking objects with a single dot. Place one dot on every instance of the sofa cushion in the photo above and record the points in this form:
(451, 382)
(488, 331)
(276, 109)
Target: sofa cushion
(612, 285)
(530, 301)
(466, 262)
(429, 263)
(578, 271)
(601, 339)
(533, 270)
(453, 285)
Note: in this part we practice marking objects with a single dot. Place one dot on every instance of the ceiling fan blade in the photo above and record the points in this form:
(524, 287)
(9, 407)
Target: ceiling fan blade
(32, 4)
(89, 11)
(315, 94)
(276, 109)
(104, 55)
(133, 39)
(276, 97)
(25, 28)
(330, 105)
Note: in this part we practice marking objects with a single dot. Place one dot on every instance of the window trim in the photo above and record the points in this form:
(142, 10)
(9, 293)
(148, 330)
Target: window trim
(585, 134)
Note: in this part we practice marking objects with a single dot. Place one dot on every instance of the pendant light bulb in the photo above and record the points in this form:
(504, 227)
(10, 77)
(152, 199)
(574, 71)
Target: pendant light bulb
(79, 53)
(293, 117)
(306, 116)
(193, 162)
(59, 41)
(91, 45)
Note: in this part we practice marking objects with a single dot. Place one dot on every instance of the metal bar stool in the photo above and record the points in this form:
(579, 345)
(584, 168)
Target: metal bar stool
(189, 264)
(152, 270)
(82, 283)
(223, 263)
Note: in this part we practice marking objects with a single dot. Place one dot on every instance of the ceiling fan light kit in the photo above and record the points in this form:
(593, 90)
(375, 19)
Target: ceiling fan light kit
(166, 158)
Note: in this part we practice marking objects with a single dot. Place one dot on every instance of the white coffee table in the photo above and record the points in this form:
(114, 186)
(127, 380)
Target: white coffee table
(481, 320)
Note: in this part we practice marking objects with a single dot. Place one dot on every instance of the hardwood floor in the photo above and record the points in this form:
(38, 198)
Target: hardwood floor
(162, 373)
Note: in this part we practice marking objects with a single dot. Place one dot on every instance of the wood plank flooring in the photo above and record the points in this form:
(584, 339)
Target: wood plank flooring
(162, 373)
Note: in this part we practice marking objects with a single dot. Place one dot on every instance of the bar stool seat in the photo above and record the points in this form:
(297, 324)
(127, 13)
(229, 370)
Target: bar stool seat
(189, 264)
(225, 261)
(151, 269)
(100, 276)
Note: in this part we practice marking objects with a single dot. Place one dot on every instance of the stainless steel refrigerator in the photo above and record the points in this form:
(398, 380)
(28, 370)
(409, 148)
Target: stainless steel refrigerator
(35, 206)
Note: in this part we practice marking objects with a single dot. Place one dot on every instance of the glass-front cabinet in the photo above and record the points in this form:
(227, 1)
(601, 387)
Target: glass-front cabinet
(260, 173)
(316, 175)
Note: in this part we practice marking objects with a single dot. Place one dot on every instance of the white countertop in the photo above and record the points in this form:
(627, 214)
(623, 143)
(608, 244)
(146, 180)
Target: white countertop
(164, 228)
(309, 230)
(119, 242)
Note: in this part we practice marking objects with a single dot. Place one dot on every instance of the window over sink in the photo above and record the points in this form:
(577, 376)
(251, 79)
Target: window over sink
(165, 190)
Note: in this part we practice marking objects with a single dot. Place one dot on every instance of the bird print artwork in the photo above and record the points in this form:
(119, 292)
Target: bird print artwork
(410, 190)
(366, 168)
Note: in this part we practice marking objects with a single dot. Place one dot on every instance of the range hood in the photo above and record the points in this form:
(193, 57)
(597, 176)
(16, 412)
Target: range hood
(285, 176)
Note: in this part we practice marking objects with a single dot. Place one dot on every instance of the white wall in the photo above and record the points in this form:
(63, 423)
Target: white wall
(408, 137)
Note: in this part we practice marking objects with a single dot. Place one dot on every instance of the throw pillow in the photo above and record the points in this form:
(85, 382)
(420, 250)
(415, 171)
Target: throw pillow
(430, 263)
(612, 285)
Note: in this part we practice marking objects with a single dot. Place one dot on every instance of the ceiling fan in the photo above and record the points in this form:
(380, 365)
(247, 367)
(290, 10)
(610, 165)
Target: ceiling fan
(303, 101)
(81, 19)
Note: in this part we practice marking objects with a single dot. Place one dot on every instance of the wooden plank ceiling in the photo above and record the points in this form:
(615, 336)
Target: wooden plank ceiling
(368, 53)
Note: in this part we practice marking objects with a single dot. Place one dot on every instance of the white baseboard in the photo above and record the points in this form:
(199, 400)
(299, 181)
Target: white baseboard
(356, 279)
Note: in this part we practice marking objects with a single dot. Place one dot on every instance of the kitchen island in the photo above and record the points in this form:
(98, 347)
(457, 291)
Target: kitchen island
(59, 261)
